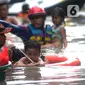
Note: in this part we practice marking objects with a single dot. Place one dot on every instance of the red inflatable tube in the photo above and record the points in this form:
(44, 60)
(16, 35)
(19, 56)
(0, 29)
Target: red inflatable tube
(62, 61)
(55, 59)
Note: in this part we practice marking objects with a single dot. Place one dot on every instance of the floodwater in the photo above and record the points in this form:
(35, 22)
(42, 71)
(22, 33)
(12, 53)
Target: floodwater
(75, 28)
(46, 76)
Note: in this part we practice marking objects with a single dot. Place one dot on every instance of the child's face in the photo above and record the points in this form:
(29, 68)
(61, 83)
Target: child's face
(37, 21)
(56, 20)
(3, 11)
(33, 53)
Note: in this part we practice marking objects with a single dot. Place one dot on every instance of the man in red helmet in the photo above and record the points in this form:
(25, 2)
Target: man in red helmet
(34, 31)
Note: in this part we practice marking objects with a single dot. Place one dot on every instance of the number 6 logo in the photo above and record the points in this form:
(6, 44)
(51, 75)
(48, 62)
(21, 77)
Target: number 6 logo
(72, 10)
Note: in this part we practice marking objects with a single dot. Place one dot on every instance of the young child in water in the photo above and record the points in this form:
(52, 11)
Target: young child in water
(58, 31)
(32, 50)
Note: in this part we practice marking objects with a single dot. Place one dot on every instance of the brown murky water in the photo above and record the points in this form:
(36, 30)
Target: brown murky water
(46, 76)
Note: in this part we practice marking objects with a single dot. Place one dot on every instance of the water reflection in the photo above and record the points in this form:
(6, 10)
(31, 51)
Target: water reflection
(32, 73)
(46, 76)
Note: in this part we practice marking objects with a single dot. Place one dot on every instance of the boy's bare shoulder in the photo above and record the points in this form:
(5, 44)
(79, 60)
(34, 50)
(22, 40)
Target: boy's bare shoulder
(20, 62)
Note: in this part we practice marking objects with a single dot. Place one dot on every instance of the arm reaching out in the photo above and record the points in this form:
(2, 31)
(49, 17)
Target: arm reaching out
(63, 32)
(15, 28)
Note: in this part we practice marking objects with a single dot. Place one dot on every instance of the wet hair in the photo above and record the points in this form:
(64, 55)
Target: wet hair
(32, 44)
(58, 12)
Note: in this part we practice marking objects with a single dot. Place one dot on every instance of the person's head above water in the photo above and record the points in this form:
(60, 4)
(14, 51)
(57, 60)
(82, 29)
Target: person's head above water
(58, 15)
(32, 49)
(37, 16)
(25, 8)
(3, 10)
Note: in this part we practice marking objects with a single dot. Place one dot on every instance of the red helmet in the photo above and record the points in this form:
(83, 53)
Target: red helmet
(36, 11)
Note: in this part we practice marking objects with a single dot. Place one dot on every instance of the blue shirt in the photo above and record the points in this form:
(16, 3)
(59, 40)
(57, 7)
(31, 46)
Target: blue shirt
(30, 32)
